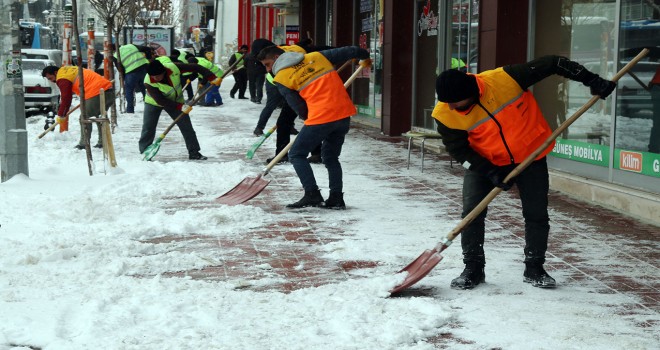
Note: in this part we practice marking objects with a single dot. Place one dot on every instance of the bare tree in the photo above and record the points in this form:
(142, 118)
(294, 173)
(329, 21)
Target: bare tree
(109, 11)
(148, 6)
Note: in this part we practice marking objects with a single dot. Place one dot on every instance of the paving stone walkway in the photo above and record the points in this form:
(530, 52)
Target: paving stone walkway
(286, 255)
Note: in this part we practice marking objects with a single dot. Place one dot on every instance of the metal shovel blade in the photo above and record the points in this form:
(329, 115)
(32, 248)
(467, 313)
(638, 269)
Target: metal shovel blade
(244, 191)
(418, 269)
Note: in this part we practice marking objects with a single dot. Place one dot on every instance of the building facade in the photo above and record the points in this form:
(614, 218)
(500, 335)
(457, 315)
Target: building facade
(615, 142)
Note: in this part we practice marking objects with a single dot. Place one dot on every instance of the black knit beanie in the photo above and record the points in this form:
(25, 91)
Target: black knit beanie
(453, 85)
(155, 68)
(260, 44)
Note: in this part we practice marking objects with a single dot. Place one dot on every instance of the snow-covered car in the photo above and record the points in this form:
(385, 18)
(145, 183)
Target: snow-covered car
(40, 93)
(43, 54)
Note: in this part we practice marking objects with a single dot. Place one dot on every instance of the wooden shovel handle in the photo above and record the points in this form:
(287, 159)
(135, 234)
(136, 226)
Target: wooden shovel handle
(517, 170)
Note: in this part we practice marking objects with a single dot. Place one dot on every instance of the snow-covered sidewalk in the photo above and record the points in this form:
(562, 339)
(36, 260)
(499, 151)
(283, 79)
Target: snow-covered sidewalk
(141, 257)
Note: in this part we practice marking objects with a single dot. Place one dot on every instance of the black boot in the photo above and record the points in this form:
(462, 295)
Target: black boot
(310, 199)
(536, 275)
(470, 277)
(335, 201)
(195, 155)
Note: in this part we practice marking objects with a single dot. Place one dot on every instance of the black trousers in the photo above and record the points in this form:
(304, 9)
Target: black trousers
(533, 186)
(256, 86)
(241, 83)
(150, 122)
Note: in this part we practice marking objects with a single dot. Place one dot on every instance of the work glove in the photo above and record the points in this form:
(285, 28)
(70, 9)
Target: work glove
(365, 63)
(601, 87)
(62, 120)
(186, 108)
(217, 81)
(497, 174)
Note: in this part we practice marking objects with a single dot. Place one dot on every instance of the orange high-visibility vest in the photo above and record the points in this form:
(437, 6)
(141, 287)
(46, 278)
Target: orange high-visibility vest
(523, 125)
(93, 81)
(320, 86)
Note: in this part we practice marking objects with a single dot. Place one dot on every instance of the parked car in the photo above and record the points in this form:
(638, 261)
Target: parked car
(40, 93)
(43, 54)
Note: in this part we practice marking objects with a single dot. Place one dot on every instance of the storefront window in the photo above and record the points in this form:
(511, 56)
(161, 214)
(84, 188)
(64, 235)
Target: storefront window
(465, 34)
(426, 69)
(583, 32)
(638, 105)
(367, 94)
(617, 133)
(439, 47)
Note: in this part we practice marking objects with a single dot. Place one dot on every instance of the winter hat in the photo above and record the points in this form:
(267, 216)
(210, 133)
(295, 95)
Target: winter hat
(260, 44)
(453, 85)
(155, 68)
(243, 47)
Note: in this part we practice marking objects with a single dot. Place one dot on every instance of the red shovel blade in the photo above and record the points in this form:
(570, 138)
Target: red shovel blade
(244, 191)
(419, 268)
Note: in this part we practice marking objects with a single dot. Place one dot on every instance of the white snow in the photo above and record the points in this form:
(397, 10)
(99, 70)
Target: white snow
(72, 244)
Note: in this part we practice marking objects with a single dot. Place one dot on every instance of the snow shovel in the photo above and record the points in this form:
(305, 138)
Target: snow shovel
(50, 128)
(424, 263)
(253, 149)
(152, 149)
(250, 186)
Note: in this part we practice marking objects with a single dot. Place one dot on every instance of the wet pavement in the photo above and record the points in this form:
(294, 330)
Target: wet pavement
(287, 254)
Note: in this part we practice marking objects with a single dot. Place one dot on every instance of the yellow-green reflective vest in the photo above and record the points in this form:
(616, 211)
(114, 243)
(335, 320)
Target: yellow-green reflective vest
(238, 57)
(131, 57)
(173, 93)
(210, 66)
(164, 59)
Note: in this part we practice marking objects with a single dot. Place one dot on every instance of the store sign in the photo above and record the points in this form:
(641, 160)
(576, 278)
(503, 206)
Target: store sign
(581, 151)
(645, 163)
(161, 39)
(292, 35)
(428, 21)
(365, 6)
(631, 161)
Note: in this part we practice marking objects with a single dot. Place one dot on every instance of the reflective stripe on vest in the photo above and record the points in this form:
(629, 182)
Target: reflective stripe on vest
(173, 93)
(523, 125)
(131, 57)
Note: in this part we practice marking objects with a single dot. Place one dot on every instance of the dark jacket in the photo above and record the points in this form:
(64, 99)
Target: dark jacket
(253, 66)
